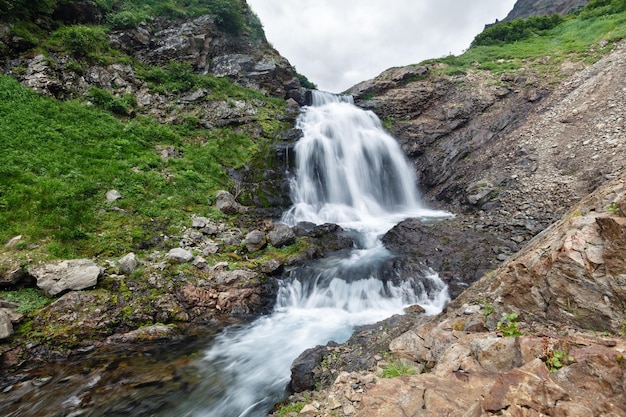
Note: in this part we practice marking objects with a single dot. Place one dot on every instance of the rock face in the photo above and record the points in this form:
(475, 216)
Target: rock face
(488, 151)
(75, 274)
(527, 8)
(442, 246)
(198, 42)
(565, 281)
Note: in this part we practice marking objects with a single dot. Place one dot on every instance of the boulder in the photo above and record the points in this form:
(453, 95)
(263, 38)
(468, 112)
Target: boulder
(128, 263)
(12, 275)
(179, 256)
(225, 202)
(255, 241)
(6, 328)
(302, 377)
(75, 274)
(281, 235)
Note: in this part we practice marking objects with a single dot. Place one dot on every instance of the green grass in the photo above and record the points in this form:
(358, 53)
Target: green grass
(575, 38)
(58, 160)
(398, 368)
(27, 299)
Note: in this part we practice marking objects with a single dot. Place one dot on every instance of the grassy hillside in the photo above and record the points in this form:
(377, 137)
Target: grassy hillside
(509, 46)
(58, 160)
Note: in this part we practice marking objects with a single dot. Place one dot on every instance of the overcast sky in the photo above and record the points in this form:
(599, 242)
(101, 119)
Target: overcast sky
(338, 43)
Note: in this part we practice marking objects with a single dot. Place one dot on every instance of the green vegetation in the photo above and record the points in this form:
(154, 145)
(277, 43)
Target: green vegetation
(27, 299)
(60, 158)
(509, 46)
(508, 325)
(613, 208)
(288, 409)
(557, 359)
(397, 368)
(230, 15)
(509, 32)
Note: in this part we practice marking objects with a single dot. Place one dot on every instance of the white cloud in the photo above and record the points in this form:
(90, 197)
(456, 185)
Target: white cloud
(338, 43)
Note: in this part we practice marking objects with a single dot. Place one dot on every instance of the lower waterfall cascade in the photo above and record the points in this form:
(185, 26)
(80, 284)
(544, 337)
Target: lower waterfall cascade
(351, 172)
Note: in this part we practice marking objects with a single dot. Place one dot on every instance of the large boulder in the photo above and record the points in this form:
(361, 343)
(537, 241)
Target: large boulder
(442, 246)
(75, 274)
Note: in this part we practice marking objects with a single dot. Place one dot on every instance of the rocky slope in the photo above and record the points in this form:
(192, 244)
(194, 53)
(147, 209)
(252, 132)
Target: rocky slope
(527, 8)
(542, 334)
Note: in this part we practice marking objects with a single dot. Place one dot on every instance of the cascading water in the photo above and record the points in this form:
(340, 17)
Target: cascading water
(349, 171)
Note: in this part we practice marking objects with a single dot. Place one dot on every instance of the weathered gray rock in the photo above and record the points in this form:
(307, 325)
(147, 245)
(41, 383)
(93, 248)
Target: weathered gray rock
(6, 328)
(255, 241)
(281, 235)
(226, 203)
(179, 256)
(12, 275)
(75, 274)
(113, 195)
(128, 263)
(200, 222)
(14, 241)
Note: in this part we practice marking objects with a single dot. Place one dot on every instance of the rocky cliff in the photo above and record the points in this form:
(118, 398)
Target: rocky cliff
(527, 8)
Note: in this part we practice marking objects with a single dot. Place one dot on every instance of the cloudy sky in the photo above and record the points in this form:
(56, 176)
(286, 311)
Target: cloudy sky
(338, 43)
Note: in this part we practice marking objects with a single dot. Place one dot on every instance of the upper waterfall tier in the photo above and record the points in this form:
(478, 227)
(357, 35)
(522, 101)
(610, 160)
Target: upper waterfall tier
(349, 170)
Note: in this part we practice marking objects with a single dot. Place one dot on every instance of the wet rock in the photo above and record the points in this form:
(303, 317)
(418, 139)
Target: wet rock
(442, 247)
(302, 377)
(145, 334)
(76, 274)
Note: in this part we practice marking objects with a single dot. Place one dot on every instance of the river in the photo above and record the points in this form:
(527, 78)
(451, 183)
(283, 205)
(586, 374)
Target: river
(349, 171)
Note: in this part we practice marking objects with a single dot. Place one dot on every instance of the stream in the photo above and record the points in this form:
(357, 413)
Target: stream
(348, 171)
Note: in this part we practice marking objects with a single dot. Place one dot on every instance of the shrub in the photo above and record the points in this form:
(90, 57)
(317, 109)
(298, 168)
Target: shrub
(81, 40)
(125, 19)
(509, 32)
(123, 106)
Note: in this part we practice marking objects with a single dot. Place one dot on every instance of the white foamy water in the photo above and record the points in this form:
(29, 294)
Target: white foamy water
(349, 171)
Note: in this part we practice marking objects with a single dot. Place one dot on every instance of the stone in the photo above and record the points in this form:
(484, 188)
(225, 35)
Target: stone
(255, 241)
(529, 386)
(113, 195)
(225, 202)
(497, 354)
(6, 328)
(199, 262)
(281, 235)
(308, 410)
(179, 256)
(302, 378)
(200, 222)
(75, 274)
(13, 275)
(13, 242)
(128, 263)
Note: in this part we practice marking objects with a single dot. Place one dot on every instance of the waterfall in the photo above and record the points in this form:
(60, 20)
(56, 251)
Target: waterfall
(349, 171)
